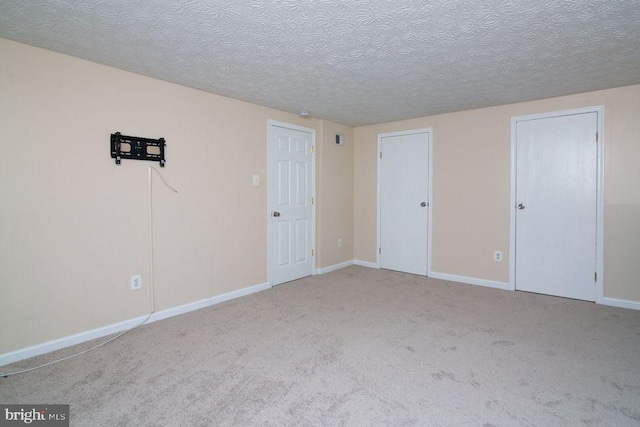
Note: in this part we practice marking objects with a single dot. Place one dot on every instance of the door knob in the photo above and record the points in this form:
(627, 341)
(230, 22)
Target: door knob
(276, 214)
(521, 206)
(423, 204)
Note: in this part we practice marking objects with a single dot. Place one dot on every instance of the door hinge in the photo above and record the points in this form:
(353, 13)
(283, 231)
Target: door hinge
(381, 154)
(313, 150)
(312, 200)
(596, 136)
(595, 277)
(379, 250)
(311, 252)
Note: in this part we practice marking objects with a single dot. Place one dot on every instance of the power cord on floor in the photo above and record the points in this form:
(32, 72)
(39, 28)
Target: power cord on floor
(22, 371)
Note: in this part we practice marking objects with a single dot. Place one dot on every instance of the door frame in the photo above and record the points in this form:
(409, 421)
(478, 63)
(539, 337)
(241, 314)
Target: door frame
(599, 110)
(428, 131)
(271, 123)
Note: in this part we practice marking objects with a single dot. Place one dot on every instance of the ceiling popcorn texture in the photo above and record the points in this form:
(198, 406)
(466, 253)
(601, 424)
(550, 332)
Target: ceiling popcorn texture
(354, 62)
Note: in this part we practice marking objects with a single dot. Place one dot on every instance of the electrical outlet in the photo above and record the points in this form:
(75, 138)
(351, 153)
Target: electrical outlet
(497, 256)
(256, 180)
(136, 282)
(339, 243)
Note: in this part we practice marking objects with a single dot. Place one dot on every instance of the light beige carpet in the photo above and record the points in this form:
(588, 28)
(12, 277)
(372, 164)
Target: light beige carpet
(358, 347)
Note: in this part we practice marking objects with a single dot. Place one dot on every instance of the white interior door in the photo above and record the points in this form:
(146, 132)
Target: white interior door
(291, 202)
(404, 193)
(556, 198)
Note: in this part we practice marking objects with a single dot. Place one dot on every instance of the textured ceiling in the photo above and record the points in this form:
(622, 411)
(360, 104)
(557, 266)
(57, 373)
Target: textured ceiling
(354, 62)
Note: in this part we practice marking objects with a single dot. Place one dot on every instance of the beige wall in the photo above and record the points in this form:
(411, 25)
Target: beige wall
(73, 225)
(471, 187)
(335, 195)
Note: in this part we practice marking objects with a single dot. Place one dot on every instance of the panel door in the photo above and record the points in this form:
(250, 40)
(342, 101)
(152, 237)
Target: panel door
(290, 189)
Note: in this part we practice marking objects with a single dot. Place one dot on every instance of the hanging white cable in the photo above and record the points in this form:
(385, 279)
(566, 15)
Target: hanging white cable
(150, 222)
(163, 180)
(152, 302)
(151, 283)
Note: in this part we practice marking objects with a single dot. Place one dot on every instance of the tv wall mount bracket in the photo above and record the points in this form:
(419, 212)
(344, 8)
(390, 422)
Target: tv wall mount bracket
(137, 148)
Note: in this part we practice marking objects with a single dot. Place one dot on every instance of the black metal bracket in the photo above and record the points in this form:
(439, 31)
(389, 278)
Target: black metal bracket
(136, 148)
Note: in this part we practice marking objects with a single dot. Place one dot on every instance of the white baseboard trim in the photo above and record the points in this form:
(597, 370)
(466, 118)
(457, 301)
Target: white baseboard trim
(334, 267)
(47, 347)
(471, 280)
(207, 302)
(103, 331)
(622, 303)
(365, 263)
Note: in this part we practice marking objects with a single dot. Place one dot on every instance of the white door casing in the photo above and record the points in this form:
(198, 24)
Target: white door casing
(291, 202)
(556, 230)
(404, 200)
